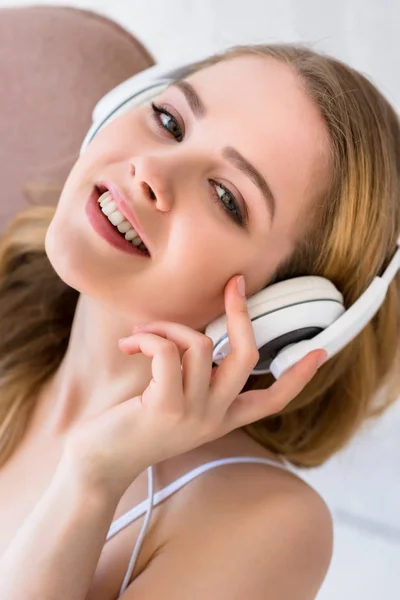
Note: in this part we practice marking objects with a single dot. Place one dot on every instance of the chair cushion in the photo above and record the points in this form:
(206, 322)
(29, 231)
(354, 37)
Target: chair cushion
(55, 64)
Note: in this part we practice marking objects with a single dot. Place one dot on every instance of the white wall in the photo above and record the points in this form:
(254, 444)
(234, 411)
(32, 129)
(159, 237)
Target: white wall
(361, 32)
(361, 484)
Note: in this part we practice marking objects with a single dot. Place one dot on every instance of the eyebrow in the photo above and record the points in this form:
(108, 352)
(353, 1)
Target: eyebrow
(199, 111)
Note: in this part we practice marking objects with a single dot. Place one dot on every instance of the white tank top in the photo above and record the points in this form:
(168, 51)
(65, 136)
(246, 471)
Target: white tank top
(140, 509)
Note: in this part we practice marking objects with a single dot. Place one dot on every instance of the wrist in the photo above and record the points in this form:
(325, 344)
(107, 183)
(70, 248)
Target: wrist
(84, 485)
(60, 542)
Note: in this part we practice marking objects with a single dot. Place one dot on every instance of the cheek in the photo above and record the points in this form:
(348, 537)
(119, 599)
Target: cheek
(200, 266)
(119, 138)
(188, 247)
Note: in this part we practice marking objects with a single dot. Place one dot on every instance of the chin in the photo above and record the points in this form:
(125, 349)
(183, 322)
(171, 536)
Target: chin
(78, 264)
(65, 257)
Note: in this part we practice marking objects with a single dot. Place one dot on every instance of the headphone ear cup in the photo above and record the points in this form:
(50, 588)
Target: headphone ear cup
(283, 315)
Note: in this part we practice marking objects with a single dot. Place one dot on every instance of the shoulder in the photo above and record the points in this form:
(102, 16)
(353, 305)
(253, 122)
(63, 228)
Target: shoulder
(247, 527)
(258, 493)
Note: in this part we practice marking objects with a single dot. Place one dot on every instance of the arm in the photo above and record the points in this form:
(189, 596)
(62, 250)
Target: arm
(58, 546)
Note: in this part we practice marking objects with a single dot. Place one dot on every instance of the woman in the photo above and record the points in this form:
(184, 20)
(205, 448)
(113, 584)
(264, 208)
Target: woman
(86, 414)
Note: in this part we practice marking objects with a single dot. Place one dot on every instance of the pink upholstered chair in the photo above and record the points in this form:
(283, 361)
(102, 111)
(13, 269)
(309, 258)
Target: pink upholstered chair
(55, 64)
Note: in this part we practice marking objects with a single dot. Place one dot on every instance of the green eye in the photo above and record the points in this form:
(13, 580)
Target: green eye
(227, 201)
(167, 122)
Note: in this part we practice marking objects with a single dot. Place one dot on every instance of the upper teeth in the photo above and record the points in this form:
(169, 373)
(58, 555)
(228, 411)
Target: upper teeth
(109, 208)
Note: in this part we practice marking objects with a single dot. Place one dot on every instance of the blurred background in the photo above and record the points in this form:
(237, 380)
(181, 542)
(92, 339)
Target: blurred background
(361, 485)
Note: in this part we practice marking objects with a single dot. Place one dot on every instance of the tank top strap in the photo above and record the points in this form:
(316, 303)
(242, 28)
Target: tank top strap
(137, 511)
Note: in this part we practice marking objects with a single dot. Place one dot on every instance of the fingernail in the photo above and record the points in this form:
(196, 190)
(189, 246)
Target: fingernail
(241, 286)
(322, 358)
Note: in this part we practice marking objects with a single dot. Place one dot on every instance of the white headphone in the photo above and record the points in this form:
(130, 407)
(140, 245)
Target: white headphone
(290, 318)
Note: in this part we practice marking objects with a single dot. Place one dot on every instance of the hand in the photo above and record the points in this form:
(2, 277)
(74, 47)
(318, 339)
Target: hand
(182, 408)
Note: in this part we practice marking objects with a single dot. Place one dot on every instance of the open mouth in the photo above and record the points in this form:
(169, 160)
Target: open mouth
(117, 220)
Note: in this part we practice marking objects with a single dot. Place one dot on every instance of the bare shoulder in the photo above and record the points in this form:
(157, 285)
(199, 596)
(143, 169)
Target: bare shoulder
(268, 498)
(238, 531)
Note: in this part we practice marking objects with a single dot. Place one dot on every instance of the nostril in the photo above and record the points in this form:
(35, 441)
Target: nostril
(148, 189)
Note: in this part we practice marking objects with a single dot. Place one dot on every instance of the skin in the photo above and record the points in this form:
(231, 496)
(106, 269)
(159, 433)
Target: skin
(196, 248)
(105, 441)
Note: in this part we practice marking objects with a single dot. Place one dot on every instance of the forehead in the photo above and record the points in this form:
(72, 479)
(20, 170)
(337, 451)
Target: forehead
(259, 105)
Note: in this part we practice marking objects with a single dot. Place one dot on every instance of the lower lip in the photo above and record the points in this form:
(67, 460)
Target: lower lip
(106, 229)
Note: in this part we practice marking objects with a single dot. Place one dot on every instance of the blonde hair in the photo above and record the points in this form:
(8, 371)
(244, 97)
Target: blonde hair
(351, 239)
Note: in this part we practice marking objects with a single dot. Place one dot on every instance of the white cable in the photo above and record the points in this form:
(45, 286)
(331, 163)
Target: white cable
(143, 531)
(177, 484)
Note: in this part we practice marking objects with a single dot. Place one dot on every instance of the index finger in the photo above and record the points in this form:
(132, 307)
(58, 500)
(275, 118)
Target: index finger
(233, 371)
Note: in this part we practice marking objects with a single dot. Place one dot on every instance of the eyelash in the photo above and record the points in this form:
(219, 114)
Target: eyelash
(238, 217)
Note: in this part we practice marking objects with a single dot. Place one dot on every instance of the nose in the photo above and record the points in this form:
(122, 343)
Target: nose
(151, 177)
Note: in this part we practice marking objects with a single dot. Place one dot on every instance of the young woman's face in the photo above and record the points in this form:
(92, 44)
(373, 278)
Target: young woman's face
(205, 215)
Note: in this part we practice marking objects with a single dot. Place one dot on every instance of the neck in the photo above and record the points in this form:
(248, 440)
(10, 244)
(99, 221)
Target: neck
(94, 372)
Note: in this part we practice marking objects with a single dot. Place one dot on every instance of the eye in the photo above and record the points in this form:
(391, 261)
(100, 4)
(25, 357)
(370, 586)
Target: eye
(223, 197)
(167, 122)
